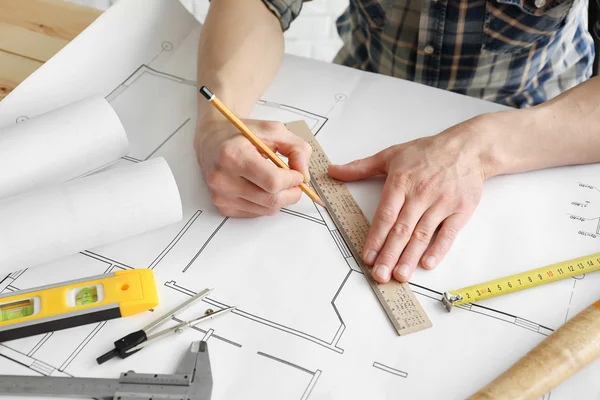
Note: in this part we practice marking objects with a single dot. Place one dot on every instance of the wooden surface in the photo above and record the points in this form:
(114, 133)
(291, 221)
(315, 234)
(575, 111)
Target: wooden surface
(32, 31)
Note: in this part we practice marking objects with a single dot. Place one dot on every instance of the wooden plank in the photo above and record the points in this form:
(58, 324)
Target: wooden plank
(32, 31)
(54, 18)
(27, 43)
(13, 70)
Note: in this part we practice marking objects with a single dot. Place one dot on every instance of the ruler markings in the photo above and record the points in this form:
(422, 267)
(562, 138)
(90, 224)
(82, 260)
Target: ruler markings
(398, 300)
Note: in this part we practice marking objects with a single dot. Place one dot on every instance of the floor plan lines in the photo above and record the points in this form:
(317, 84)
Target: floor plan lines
(512, 319)
(331, 344)
(6, 283)
(206, 243)
(30, 362)
(313, 374)
(300, 215)
(174, 242)
(391, 370)
(148, 90)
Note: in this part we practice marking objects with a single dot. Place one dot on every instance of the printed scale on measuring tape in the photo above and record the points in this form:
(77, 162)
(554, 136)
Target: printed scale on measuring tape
(78, 302)
(398, 300)
(522, 281)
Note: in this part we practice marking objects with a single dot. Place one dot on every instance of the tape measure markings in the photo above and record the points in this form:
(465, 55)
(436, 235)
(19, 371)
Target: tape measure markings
(398, 300)
(523, 280)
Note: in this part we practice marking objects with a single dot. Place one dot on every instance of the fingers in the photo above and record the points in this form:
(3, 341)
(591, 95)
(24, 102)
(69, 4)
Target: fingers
(237, 193)
(242, 181)
(295, 149)
(235, 207)
(237, 213)
(386, 215)
(267, 176)
(359, 169)
(397, 239)
(254, 194)
(419, 241)
(443, 240)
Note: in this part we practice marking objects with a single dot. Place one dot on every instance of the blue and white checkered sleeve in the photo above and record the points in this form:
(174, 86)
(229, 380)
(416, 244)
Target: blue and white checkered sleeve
(286, 10)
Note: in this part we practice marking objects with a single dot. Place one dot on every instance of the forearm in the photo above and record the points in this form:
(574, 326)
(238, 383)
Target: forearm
(562, 131)
(239, 52)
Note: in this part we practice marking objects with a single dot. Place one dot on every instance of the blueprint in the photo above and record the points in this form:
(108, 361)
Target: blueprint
(307, 325)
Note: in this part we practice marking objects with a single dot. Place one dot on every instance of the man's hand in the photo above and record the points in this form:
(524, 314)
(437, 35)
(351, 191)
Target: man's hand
(242, 182)
(432, 182)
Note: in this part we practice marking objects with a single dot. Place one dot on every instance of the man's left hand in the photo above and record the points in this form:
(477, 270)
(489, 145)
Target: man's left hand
(433, 182)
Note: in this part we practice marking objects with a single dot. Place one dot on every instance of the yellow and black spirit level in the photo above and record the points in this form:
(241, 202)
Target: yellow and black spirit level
(78, 302)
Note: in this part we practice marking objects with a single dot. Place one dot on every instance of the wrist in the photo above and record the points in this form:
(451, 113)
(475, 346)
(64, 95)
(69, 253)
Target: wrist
(476, 142)
(492, 158)
(499, 140)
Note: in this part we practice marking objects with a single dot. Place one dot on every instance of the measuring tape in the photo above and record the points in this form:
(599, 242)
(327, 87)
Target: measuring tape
(523, 280)
(78, 302)
(398, 300)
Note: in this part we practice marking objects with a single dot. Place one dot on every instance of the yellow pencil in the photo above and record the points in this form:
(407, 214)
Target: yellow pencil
(255, 140)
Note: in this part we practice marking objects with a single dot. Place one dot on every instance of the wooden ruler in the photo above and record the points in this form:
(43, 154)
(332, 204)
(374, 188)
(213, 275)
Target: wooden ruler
(397, 299)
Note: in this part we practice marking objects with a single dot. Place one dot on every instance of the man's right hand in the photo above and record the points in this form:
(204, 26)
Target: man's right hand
(242, 182)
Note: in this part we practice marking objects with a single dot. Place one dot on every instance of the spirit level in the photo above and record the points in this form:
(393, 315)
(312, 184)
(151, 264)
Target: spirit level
(74, 303)
(522, 280)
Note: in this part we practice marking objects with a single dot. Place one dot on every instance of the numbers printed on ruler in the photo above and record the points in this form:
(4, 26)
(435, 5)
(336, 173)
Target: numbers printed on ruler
(406, 312)
(398, 300)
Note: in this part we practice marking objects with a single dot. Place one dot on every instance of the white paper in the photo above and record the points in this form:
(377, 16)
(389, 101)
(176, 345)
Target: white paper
(59, 145)
(51, 223)
(307, 324)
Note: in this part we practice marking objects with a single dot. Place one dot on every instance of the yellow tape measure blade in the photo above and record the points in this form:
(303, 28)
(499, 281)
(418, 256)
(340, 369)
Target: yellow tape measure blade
(522, 280)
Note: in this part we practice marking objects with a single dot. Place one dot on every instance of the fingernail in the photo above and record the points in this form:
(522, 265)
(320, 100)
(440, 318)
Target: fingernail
(300, 181)
(404, 270)
(371, 255)
(382, 271)
(430, 262)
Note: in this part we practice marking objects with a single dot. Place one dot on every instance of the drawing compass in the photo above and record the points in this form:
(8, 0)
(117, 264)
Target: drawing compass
(135, 341)
(192, 380)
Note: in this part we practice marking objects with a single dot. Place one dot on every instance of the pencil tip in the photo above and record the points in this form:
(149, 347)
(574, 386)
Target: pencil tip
(320, 202)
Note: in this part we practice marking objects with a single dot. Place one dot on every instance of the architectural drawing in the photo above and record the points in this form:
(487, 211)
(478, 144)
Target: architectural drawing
(186, 257)
(584, 210)
(307, 326)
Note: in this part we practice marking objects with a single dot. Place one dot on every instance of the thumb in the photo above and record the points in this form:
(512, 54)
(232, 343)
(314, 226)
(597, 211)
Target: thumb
(359, 169)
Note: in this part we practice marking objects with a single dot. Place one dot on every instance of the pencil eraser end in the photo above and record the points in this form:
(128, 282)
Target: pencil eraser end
(206, 93)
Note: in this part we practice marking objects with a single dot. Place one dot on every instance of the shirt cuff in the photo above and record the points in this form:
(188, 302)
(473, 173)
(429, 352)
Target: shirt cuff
(286, 10)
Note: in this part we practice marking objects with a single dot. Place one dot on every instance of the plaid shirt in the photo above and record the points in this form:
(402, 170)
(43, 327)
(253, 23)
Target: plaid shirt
(513, 52)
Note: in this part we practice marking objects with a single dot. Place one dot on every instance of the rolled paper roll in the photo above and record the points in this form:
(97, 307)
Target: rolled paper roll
(51, 223)
(562, 354)
(60, 145)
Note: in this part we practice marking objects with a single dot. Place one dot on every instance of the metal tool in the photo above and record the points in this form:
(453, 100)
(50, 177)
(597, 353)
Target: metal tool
(135, 341)
(192, 381)
(522, 280)
(398, 300)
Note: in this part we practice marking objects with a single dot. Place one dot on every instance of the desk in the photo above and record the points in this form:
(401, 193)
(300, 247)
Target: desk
(32, 31)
